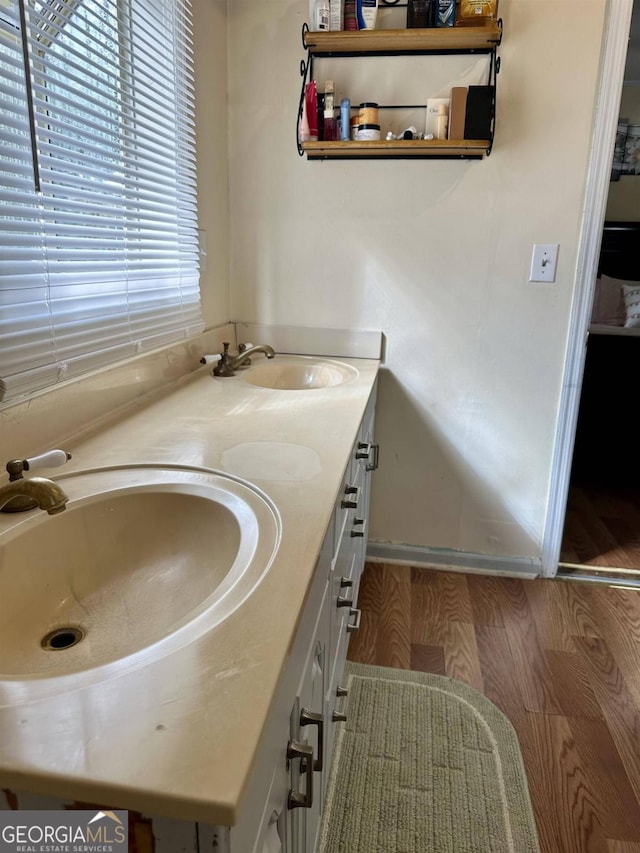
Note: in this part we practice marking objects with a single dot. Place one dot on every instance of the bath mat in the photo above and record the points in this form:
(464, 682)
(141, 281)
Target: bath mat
(424, 764)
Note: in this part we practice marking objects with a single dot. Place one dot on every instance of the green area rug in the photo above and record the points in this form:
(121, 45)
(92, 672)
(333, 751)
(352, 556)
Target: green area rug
(424, 764)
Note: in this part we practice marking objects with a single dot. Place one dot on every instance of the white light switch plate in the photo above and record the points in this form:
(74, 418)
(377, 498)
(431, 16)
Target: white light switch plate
(544, 261)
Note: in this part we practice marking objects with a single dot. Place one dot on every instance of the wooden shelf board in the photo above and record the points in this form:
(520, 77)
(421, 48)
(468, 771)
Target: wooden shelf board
(398, 148)
(404, 41)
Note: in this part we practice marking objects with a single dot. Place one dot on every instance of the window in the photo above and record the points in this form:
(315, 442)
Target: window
(98, 219)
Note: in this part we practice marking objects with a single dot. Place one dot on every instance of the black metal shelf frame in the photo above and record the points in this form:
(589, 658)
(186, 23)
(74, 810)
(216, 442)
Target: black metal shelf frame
(306, 72)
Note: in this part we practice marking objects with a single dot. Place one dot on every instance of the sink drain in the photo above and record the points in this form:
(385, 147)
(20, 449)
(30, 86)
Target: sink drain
(61, 638)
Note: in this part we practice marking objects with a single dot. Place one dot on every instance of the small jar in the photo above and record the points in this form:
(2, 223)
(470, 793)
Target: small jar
(367, 132)
(368, 113)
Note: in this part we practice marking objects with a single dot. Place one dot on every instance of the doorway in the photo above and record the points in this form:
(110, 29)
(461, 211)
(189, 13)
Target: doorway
(615, 52)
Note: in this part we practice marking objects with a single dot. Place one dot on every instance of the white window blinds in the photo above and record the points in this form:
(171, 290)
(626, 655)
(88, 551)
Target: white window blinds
(98, 229)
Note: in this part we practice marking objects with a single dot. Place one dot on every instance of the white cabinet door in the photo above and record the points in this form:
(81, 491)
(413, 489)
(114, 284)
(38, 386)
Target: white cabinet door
(308, 731)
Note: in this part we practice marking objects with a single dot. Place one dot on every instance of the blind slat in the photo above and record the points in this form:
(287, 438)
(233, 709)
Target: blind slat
(103, 262)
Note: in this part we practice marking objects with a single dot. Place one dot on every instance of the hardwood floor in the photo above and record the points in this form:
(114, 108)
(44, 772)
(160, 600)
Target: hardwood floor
(602, 527)
(561, 659)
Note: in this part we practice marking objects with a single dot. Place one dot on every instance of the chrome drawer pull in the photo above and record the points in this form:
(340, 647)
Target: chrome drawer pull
(345, 582)
(354, 626)
(344, 602)
(304, 752)
(310, 718)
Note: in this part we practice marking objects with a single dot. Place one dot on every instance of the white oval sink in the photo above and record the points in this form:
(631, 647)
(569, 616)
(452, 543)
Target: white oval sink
(142, 561)
(299, 373)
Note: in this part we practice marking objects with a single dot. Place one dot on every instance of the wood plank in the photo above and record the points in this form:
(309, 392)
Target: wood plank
(574, 692)
(565, 801)
(497, 668)
(484, 594)
(601, 526)
(552, 628)
(619, 812)
(428, 659)
(576, 607)
(602, 544)
(620, 711)
(363, 644)
(617, 612)
(623, 846)
(390, 589)
(404, 148)
(408, 40)
(441, 596)
(531, 664)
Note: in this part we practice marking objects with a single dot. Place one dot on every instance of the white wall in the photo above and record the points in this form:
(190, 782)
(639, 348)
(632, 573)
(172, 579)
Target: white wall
(436, 254)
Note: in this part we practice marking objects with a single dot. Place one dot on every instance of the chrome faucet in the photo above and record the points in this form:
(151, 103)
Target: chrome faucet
(228, 364)
(32, 493)
(20, 495)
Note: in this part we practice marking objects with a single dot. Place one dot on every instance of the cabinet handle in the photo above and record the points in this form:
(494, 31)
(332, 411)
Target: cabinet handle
(304, 752)
(340, 716)
(344, 602)
(352, 496)
(354, 626)
(370, 452)
(375, 450)
(358, 528)
(345, 582)
(310, 718)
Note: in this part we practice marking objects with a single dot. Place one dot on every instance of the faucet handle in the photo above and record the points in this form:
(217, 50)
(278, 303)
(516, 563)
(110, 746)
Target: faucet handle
(50, 459)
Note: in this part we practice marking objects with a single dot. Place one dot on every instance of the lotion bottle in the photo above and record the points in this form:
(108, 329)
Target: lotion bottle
(367, 11)
(320, 15)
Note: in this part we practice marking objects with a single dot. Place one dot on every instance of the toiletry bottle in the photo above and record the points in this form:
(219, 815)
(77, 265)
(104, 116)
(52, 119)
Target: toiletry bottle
(419, 14)
(330, 124)
(304, 131)
(350, 15)
(445, 13)
(442, 122)
(367, 11)
(476, 13)
(345, 119)
(337, 15)
(321, 16)
(311, 101)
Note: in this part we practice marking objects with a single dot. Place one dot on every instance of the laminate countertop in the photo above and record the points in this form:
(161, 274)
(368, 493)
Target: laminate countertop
(176, 735)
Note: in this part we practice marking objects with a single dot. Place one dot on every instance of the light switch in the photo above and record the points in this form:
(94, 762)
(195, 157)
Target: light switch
(543, 262)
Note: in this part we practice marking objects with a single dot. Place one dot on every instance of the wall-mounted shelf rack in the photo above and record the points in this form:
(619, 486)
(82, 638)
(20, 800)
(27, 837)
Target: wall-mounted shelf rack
(445, 40)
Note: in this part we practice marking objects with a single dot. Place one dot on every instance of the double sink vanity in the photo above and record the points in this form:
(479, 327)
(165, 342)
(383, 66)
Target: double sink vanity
(173, 642)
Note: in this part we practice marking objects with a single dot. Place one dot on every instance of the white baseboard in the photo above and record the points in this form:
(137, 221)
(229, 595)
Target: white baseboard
(455, 561)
